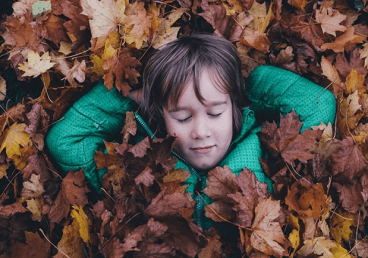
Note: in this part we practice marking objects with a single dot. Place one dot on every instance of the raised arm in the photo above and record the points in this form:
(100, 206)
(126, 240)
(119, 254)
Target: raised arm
(97, 116)
(274, 90)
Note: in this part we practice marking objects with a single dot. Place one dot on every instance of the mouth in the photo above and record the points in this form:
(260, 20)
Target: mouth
(205, 149)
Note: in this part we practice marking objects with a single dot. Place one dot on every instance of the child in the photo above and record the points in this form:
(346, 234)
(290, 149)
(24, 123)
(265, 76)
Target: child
(193, 89)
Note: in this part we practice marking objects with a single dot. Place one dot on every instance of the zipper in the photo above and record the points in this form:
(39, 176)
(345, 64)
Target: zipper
(192, 170)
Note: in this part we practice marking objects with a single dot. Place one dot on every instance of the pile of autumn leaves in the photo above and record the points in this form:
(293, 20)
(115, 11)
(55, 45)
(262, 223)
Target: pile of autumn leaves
(318, 208)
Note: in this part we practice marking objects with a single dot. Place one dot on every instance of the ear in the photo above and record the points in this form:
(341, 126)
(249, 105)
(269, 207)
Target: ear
(136, 95)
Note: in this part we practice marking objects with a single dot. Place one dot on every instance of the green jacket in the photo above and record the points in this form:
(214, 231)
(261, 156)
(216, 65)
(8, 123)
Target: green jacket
(99, 115)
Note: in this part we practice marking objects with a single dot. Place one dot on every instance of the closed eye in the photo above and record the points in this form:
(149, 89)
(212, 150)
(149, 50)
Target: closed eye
(184, 120)
(215, 115)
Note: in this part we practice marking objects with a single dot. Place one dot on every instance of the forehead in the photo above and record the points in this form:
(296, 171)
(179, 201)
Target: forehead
(210, 92)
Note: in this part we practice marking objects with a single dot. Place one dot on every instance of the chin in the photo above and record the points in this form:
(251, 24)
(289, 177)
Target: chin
(205, 167)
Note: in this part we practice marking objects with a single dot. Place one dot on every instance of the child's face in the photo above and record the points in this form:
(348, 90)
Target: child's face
(204, 132)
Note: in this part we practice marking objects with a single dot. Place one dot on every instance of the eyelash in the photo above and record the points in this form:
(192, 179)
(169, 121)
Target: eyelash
(186, 119)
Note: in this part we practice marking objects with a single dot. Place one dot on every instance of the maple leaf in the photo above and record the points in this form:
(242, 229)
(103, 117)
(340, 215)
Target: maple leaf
(51, 28)
(166, 33)
(306, 199)
(73, 191)
(14, 137)
(24, 32)
(212, 249)
(347, 162)
(349, 113)
(22, 7)
(349, 60)
(77, 72)
(121, 72)
(71, 243)
(318, 246)
(32, 188)
(348, 38)
(255, 39)
(286, 139)
(330, 20)
(36, 64)
(267, 235)
(331, 73)
(105, 16)
(137, 24)
(350, 195)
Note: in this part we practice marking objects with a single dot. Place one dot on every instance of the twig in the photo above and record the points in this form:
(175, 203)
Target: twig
(103, 189)
(40, 229)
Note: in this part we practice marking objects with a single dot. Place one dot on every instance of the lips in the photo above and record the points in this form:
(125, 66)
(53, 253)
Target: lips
(205, 149)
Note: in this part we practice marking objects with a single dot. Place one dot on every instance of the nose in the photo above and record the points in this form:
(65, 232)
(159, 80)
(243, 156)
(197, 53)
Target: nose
(201, 129)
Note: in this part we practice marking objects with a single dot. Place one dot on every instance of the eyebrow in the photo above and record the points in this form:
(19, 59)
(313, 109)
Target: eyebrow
(212, 104)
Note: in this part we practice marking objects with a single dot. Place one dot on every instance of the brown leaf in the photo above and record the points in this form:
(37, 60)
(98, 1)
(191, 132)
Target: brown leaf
(350, 195)
(11, 209)
(220, 183)
(267, 235)
(347, 162)
(129, 128)
(306, 199)
(34, 246)
(140, 149)
(168, 206)
(145, 177)
(212, 249)
(255, 39)
(121, 72)
(71, 243)
(287, 141)
(346, 39)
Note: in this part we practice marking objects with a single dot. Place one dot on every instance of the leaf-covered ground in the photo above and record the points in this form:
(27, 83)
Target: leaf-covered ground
(57, 50)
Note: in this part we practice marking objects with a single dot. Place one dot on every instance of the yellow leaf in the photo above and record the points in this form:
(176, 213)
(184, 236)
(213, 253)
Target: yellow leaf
(2, 88)
(300, 4)
(340, 252)
(232, 7)
(35, 207)
(319, 246)
(348, 117)
(355, 81)
(364, 54)
(97, 67)
(360, 133)
(259, 14)
(36, 64)
(71, 243)
(3, 168)
(82, 219)
(294, 240)
(340, 226)
(137, 24)
(65, 48)
(263, 23)
(14, 137)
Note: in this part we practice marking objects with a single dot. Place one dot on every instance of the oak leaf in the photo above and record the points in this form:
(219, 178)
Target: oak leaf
(267, 235)
(330, 20)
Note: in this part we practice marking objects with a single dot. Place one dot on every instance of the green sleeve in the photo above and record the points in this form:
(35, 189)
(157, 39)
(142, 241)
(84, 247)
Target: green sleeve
(273, 90)
(97, 116)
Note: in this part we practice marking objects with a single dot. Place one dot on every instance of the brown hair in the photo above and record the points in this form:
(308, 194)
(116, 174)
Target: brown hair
(168, 72)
